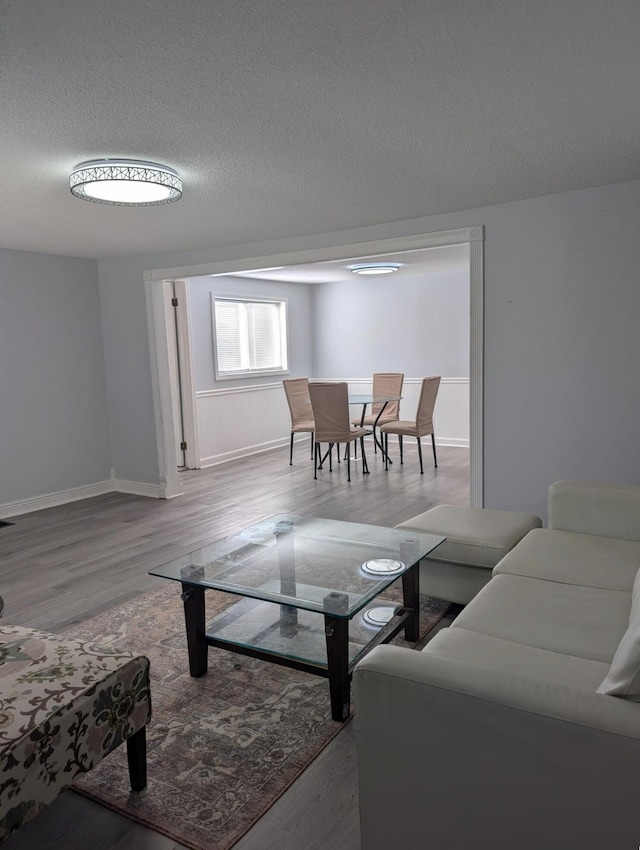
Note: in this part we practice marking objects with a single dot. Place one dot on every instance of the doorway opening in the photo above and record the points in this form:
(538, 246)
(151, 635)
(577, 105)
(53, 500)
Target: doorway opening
(166, 420)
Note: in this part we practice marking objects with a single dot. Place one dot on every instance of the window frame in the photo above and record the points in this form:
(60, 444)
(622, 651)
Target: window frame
(284, 336)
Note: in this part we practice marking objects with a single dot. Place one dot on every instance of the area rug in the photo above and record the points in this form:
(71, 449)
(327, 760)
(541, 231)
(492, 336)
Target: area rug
(222, 748)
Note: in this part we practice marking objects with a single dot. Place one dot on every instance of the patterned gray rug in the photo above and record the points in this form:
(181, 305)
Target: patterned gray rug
(222, 748)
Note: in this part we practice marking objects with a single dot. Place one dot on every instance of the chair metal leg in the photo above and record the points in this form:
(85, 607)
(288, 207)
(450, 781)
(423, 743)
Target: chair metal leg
(365, 465)
(348, 464)
(315, 461)
(400, 444)
(433, 443)
(313, 442)
(420, 455)
(386, 452)
(291, 451)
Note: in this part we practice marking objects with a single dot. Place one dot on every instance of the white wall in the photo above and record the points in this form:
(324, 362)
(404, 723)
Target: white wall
(53, 396)
(412, 324)
(561, 344)
(298, 320)
(418, 325)
(240, 416)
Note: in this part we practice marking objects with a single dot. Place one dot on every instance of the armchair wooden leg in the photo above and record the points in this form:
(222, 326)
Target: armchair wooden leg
(137, 759)
(433, 443)
(420, 455)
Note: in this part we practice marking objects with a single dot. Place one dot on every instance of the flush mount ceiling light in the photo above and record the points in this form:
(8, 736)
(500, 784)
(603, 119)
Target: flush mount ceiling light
(125, 182)
(375, 268)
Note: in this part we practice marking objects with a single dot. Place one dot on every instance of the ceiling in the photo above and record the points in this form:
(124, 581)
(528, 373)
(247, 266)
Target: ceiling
(426, 261)
(294, 117)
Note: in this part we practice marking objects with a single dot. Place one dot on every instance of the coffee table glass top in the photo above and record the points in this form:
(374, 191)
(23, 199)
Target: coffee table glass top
(321, 565)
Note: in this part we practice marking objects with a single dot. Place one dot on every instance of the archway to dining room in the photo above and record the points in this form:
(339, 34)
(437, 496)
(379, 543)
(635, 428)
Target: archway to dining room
(469, 238)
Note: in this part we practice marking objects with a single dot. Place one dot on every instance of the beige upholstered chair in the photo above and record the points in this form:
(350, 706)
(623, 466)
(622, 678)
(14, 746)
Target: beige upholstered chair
(297, 393)
(423, 424)
(330, 404)
(384, 383)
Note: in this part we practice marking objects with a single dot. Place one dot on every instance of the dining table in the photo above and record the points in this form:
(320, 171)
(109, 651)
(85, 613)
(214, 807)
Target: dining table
(366, 399)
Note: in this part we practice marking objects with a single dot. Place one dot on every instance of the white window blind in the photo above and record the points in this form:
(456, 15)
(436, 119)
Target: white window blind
(250, 336)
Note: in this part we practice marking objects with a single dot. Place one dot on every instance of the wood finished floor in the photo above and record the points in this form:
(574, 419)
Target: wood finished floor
(64, 565)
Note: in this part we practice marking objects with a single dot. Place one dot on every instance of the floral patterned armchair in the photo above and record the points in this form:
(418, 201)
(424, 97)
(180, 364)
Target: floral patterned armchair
(64, 706)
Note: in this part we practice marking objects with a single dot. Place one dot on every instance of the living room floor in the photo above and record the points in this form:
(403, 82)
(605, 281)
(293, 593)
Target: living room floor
(64, 565)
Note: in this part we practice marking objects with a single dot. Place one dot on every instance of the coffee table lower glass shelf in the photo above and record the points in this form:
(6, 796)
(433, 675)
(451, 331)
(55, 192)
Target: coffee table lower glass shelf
(293, 636)
(311, 595)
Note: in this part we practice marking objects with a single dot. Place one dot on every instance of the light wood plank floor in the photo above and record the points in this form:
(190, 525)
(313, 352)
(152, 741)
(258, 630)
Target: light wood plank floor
(63, 565)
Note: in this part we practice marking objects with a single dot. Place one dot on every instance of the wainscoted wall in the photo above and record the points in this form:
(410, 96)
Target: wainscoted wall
(451, 414)
(239, 421)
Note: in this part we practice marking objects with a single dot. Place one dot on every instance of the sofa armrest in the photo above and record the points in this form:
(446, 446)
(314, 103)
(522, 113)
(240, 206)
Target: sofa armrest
(451, 755)
(593, 507)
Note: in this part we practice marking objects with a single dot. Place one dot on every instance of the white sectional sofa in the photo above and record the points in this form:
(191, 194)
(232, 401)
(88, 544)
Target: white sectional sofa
(516, 728)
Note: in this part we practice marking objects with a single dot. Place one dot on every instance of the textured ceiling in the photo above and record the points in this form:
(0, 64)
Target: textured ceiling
(428, 261)
(294, 117)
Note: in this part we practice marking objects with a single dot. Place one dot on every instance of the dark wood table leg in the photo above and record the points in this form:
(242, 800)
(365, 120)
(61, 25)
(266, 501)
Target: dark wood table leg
(411, 599)
(336, 631)
(193, 599)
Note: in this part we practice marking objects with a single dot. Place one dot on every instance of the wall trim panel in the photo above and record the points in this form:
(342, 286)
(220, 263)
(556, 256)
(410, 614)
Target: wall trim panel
(236, 422)
(451, 414)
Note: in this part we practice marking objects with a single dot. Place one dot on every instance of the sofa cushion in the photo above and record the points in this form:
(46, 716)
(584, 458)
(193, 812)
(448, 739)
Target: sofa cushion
(586, 622)
(623, 678)
(476, 537)
(483, 651)
(570, 558)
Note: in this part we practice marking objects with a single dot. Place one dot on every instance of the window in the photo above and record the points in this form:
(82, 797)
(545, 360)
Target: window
(250, 337)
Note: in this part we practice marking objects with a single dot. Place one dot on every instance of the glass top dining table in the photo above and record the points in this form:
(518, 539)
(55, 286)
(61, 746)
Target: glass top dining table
(369, 398)
(366, 399)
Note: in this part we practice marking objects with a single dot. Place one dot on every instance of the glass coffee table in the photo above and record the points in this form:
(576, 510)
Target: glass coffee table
(309, 594)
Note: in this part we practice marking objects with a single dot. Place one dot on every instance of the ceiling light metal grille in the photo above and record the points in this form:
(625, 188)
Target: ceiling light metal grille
(123, 182)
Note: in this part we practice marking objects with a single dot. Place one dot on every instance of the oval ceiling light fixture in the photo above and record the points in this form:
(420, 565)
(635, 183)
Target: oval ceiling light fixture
(375, 268)
(125, 182)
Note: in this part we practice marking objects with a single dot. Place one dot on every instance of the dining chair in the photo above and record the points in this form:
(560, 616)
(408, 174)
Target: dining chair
(422, 425)
(297, 393)
(330, 405)
(384, 384)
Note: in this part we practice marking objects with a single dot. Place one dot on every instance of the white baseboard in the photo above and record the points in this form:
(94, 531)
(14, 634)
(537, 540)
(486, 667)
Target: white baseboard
(75, 494)
(138, 488)
(52, 500)
(247, 451)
